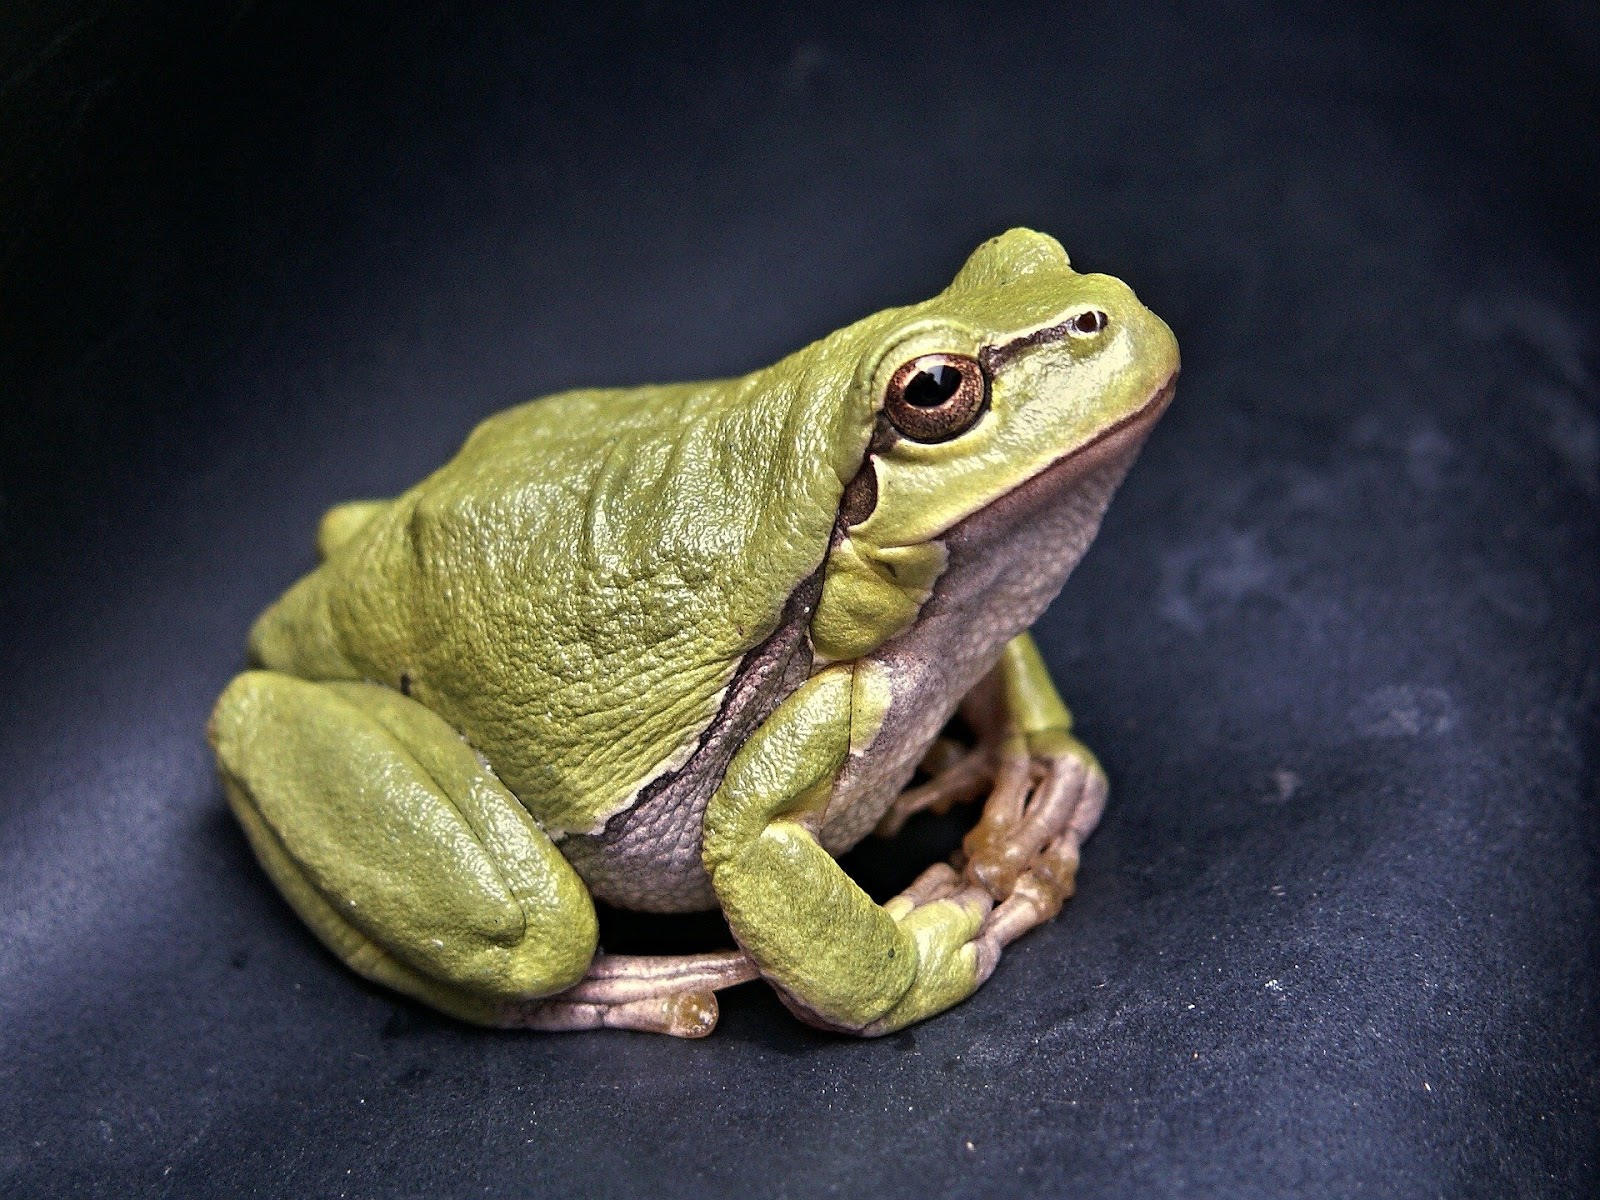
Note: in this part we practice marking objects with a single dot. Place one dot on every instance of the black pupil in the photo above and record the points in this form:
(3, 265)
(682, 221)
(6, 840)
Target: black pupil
(932, 386)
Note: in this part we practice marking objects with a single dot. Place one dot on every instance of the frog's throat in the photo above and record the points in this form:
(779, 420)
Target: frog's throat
(874, 593)
(1006, 562)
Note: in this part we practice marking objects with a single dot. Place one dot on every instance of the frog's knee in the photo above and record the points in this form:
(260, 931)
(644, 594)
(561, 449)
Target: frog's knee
(370, 813)
(343, 521)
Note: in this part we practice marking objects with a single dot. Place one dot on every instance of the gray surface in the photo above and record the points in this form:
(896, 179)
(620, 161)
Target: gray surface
(1336, 643)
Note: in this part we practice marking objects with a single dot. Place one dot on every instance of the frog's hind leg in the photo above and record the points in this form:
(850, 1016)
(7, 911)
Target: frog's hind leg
(661, 993)
(1044, 795)
(408, 859)
(343, 521)
(956, 774)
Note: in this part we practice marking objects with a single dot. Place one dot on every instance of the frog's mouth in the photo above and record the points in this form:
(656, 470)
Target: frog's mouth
(1138, 424)
(1091, 472)
(1108, 454)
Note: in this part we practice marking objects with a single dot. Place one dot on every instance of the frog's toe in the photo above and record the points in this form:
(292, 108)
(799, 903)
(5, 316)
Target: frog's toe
(956, 775)
(937, 882)
(648, 993)
(1042, 808)
(1037, 896)
(682, 1014)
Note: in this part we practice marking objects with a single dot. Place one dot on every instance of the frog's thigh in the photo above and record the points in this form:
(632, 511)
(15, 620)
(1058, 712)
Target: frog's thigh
(396, 845)
(837, 957)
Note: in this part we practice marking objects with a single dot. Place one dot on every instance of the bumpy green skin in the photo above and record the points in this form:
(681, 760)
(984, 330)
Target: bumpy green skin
(397, 846)
(575, 589)
(512, 649)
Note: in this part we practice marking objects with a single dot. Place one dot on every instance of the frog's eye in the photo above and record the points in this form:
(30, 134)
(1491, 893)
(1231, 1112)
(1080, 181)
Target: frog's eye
(1089, 322)
(936, 397)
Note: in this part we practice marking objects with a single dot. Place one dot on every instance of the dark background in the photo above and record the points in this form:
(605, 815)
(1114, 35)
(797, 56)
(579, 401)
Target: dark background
(1336, 644)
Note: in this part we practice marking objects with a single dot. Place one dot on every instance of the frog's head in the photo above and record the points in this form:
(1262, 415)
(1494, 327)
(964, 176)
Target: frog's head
(1020, 364)
(1006, 410)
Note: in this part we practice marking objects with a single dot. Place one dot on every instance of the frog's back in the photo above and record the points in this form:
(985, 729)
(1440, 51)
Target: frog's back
(576, 589)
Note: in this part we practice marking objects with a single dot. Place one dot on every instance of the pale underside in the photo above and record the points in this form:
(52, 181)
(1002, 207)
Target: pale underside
(1006, 563)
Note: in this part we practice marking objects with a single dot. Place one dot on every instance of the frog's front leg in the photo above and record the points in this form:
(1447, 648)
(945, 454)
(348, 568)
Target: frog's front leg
(1046, 792)
(412, 862)
(836, 958)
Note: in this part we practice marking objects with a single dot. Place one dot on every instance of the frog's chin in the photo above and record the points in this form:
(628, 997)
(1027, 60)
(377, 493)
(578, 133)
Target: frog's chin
(1090, 472)
(1046, 523)
(1122, 439)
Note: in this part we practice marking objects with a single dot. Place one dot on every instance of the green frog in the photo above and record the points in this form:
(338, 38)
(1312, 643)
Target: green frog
(678, 647)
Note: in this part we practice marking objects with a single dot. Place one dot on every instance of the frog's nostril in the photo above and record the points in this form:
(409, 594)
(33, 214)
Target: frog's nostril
(1089, 322)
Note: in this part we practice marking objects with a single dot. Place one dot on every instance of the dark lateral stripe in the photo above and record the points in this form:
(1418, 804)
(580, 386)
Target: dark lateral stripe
(995, 357)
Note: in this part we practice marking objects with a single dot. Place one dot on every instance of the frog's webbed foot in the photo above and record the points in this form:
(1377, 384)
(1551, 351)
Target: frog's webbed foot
(1024, 849)
(1045, 793)
(671, 994)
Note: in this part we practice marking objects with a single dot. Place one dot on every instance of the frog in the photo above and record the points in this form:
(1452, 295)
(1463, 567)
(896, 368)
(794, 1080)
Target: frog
(677, 648)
